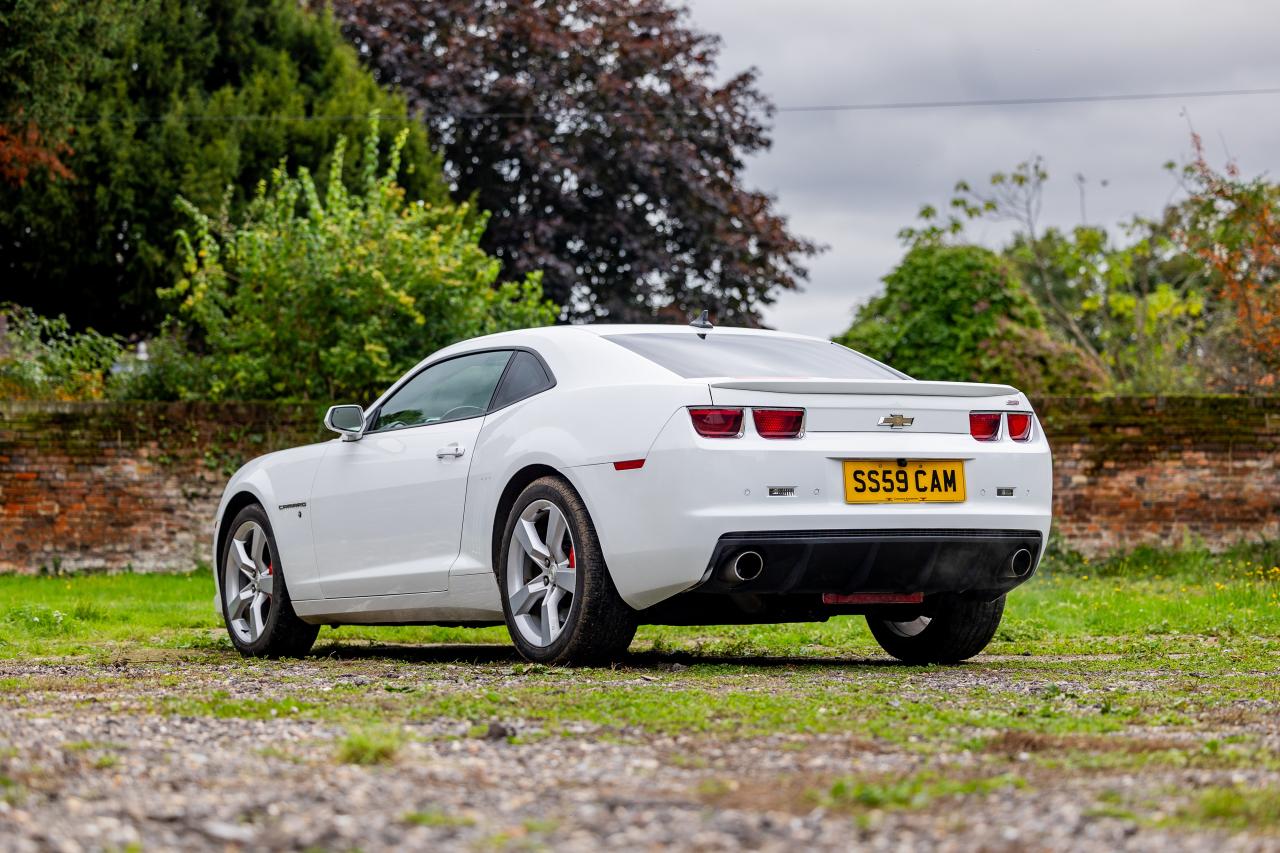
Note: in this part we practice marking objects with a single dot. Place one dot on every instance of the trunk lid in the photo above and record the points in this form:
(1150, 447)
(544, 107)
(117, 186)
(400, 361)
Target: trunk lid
(858, 405)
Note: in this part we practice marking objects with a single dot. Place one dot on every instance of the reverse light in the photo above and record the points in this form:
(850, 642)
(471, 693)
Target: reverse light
(778, 423)
(984, 426)
(717, 422)
(1020, 426)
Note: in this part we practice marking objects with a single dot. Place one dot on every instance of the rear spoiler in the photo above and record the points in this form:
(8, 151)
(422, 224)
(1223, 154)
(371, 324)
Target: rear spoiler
(885, 387)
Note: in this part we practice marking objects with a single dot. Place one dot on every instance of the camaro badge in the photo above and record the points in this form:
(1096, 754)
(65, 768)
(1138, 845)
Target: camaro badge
(896, 421)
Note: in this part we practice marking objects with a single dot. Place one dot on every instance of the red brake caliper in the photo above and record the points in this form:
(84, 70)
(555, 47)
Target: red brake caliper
(572, 564)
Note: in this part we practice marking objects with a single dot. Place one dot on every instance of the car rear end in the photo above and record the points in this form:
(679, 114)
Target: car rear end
(798, 496)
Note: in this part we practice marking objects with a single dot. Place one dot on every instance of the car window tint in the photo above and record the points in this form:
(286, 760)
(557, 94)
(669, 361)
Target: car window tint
(448, 391)
(690, 356)
(525, 377)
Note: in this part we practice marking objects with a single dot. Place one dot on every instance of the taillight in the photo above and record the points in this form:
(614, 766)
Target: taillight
(778, 423)
(717, 423)
(1020, 426)
(984, 426)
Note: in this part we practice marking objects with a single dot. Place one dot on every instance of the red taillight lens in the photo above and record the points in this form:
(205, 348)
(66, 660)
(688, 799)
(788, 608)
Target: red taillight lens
(1020, 426)
(984, 426)
(717, 423)
(778, 423)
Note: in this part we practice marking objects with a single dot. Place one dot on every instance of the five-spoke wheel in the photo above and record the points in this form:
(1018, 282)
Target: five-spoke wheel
(255, 600)
(542, 574)
(560, 603)
(247, 581)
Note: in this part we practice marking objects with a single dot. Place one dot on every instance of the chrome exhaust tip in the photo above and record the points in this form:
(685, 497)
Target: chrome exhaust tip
(1019, 565)
(746, 566)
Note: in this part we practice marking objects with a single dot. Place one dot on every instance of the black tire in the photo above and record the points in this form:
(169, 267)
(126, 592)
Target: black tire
(599, 625)
(959, 628)
(283, 634)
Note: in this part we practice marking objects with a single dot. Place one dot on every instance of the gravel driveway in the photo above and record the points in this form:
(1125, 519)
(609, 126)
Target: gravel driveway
(122, 754)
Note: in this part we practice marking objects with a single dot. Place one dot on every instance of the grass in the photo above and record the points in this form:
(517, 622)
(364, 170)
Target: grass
(912, 792)
(1234, 808)
(1153, 662)
(1142, 602)
(436, 818)
(369, 746)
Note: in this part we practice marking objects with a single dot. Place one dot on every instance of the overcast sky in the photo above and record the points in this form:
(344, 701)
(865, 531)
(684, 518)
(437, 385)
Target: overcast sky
(851, 180)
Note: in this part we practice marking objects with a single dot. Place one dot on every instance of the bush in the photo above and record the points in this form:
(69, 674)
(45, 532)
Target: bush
(333, 298)
(42, 359)
(960, 313)
(175, 106)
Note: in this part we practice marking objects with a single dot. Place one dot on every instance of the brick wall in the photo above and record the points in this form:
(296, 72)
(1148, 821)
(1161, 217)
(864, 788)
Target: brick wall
(88, 486)
(1134, 471)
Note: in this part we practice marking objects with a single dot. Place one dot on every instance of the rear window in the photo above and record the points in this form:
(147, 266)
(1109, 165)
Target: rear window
(691, 356)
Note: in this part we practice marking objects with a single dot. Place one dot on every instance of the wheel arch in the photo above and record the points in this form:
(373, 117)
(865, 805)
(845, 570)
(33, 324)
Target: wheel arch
(518, 482)
(234, 504)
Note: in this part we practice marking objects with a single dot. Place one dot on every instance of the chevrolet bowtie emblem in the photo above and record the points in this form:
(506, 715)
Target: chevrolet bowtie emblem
(896, 421)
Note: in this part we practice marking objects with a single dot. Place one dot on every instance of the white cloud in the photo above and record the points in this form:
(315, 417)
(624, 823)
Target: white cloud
(851, 180)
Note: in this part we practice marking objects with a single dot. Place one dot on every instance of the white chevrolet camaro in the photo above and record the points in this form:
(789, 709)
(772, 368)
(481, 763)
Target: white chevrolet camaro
(577, 481)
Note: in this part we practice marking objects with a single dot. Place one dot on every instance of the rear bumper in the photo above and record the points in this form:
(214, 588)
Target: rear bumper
(662, 525)
(977, 562)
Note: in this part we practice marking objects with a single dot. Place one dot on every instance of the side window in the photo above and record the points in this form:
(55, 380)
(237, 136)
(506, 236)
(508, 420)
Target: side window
(451, 390)
(524, 378)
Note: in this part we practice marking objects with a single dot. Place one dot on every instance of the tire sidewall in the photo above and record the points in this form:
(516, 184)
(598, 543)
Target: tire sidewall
(587, 559)
(258, 648)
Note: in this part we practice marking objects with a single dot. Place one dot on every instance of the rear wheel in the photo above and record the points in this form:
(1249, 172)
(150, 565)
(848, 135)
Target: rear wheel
(560, 604)
(948, 629)
(255, 601)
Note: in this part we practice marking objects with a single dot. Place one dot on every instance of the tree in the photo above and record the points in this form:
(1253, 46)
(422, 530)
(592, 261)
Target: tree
(176, 108)
(333, 295)
(1139, 312)
(960, 313)
(1233, 226)
(596, 134)
(46, 49)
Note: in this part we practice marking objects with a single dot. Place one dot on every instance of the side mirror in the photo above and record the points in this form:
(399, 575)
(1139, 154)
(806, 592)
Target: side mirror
(347, 421)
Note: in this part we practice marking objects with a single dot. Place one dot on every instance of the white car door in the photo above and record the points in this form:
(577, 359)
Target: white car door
(387, 509)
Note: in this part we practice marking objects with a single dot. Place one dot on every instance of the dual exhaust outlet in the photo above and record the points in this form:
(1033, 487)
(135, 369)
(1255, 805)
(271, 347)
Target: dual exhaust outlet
(748, 565)
(1018, 565)
(742, 567)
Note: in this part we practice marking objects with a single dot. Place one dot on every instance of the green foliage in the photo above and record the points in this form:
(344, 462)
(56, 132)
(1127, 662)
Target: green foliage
(46, 50)
(333, 296)
(42, 359)
(170, 112)
(1142, 315)
(960, 313)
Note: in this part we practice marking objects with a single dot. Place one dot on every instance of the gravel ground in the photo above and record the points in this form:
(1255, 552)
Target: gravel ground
(90, 765)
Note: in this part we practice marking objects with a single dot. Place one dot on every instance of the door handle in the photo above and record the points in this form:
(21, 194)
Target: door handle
(453, 451)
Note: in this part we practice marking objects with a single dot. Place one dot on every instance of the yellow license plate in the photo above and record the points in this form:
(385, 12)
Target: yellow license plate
(873, 481)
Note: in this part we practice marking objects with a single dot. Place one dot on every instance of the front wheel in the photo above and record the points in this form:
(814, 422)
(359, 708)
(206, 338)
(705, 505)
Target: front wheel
(255, 601)
(948, 629)
(560, 604)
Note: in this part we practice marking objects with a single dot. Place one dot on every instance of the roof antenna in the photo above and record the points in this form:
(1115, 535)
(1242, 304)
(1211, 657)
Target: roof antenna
(702, 323)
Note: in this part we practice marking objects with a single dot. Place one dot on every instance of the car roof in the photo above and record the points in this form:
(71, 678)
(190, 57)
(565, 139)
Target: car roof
(605, 329)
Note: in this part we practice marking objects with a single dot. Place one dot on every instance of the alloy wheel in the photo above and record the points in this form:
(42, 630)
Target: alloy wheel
(248, 581)
(913, 628)
(542, 573)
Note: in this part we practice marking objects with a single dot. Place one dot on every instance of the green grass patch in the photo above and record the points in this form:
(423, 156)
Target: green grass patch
(434, 817)
(369, 746)
(1238, 808)
(913, 792)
